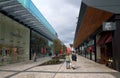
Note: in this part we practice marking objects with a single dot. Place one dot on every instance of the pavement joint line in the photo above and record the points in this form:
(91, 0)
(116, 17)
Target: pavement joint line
(116, 74)
(17, 71)
(20, 71)
(58, 70)
(53, 71)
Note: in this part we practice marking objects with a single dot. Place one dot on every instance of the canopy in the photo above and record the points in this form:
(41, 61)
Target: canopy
(105, 38)
(26, 13)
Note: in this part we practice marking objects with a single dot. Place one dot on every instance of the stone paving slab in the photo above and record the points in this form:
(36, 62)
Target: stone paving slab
(84, 76)
(85, 69)
(14, 69)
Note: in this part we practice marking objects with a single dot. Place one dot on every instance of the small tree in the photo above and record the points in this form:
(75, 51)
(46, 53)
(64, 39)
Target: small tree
(64, 49)
(57, 46)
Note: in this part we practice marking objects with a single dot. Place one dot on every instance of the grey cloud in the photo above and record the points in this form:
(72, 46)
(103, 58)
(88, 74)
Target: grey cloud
(61, 14)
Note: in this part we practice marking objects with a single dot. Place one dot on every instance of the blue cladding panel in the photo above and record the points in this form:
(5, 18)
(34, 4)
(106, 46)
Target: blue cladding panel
(37, 13)
(25, 3)
(28, 4)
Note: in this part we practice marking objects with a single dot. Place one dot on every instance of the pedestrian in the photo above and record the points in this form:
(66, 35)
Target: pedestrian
(50, 54)
(68, 61)
(74, 59)
(34, 57)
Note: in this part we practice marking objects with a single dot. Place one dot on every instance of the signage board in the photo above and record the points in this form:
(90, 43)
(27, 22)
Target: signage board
(109, 26)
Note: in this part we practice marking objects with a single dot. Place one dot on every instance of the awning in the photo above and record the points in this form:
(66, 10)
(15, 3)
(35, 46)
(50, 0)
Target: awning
(90, 49)
(105, 38)
(109, 39)
(101, 39)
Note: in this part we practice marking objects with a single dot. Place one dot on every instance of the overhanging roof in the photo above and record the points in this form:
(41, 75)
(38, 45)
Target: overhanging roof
(21, 14)
(91, 20)
(106, 5)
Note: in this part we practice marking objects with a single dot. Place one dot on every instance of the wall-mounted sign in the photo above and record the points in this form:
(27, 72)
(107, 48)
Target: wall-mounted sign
(109, 26)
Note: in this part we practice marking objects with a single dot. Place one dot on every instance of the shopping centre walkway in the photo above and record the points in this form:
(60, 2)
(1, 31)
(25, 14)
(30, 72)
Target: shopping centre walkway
(85, 69)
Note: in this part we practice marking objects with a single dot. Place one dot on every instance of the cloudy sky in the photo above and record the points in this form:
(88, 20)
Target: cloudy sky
(62, 15)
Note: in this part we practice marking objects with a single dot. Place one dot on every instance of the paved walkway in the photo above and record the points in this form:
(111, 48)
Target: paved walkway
(85, 69)
(13, 69)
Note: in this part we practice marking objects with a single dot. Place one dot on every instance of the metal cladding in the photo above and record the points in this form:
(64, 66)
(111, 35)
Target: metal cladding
(25, 12)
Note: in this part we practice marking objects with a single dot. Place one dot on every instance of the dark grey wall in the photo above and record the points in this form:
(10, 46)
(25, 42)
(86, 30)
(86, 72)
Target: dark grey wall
(116, 46)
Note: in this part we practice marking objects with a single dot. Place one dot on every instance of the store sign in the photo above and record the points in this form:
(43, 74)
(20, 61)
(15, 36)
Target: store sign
(90, 43)
(109, 26)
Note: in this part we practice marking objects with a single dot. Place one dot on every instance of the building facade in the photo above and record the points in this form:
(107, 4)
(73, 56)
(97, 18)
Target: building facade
(100, 25)
(14, 41)
(23, 32)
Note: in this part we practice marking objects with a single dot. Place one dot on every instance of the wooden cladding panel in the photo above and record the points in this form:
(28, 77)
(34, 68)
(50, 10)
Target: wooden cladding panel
(93, 19)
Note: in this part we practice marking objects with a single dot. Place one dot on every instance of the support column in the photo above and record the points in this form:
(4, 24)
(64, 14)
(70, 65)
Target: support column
(30, 48)
(95, 49)
(90, 55)
(85, 48)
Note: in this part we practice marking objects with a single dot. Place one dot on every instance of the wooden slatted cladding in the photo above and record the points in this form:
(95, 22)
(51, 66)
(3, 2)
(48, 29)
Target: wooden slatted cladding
(92, 20)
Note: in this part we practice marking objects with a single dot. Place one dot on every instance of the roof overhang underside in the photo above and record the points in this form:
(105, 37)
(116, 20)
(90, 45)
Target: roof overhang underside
(106, 5)
(89, 23)
(16, 11)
